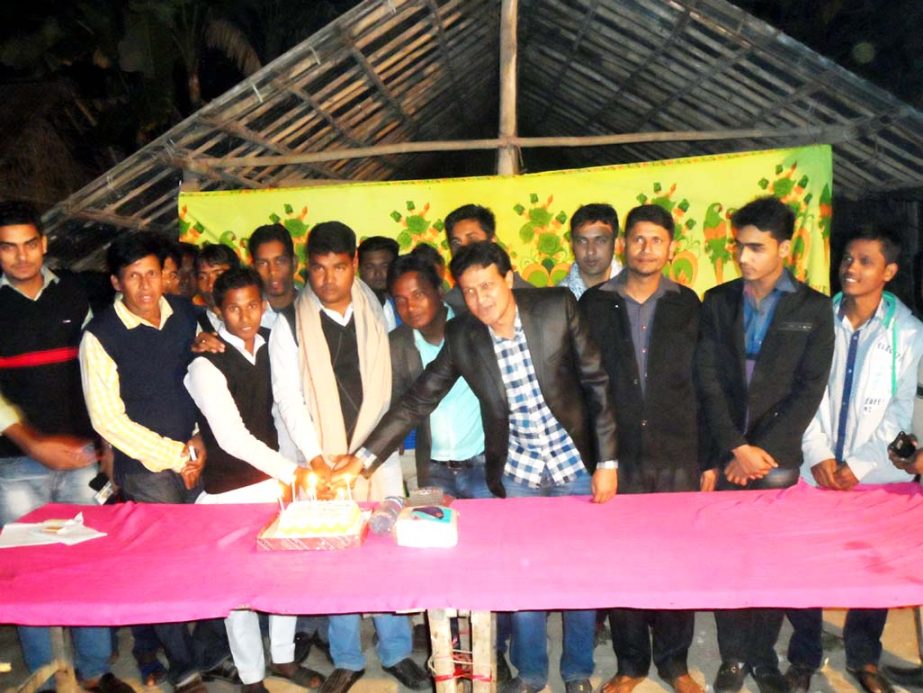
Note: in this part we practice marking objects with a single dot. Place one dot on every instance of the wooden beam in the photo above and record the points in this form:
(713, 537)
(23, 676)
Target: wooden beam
(508, 156)
(111, 219)
(826, 134)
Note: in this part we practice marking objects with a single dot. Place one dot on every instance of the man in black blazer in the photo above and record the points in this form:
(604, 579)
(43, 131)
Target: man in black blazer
(647, 326)
(547, 415)
(764, 354)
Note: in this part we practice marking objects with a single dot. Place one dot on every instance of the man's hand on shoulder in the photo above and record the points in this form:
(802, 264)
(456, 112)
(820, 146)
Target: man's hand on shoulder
(604, 484)
(207, 342)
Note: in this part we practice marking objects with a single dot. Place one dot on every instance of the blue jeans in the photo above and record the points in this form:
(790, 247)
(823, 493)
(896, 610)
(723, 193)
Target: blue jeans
(529, 649)
(462, 482)
(27, 484)
(395, 640)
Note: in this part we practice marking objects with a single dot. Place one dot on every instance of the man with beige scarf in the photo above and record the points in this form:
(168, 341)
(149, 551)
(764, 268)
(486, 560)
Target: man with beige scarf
(338, 347)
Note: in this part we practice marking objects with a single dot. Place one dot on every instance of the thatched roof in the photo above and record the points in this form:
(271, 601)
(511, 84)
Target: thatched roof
(392, 72)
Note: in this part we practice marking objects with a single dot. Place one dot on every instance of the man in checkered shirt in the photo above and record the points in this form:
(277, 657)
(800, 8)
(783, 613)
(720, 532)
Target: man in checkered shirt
(549, 427)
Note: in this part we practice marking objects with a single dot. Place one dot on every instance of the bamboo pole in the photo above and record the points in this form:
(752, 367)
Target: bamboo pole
(507, 157)
(816, 133)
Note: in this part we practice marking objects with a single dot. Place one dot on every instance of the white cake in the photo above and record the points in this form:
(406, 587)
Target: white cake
(430, 527)
(319, 519)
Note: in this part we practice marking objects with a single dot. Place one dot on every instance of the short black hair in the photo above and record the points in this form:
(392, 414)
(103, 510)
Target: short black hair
(480, 254)
(331, 237)
(482, 215)
(217, 254)
(171, 249)
(428, 252)
(595, 211)
(887, 236)
(18, 212)
(768, 214)
(130, 247)
(413, 263)
(655, 214)
(373, 243)
(235, 278)
(189, 250)
(270, 232)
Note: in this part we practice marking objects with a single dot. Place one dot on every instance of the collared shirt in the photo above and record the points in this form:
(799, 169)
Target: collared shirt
(455, 425)
(100, 377)
(216, 322)
(209, 390)
(575, 283)
(537, 440)
(641, 318)
(297, 425)
(48, 278)
(758, 318)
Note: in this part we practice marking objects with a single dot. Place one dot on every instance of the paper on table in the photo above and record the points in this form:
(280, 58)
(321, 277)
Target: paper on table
(68, 532)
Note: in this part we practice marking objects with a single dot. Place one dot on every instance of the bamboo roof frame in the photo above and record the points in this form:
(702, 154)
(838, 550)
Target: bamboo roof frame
(382, 91)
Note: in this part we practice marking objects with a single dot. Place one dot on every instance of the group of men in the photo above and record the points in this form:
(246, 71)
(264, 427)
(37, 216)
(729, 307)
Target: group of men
(618, 381)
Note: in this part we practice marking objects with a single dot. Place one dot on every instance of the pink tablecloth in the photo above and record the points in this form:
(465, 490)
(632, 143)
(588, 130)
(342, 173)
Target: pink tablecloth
(799, 547)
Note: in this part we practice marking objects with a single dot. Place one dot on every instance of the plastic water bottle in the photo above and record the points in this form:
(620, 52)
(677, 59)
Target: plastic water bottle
(385, 515)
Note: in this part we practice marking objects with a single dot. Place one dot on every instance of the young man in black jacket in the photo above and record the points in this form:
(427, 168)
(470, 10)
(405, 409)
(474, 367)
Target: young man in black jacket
(646, 326)
(765, 348)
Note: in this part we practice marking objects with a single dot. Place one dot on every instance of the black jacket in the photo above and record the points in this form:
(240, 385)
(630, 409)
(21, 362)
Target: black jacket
(788, 380)
(567, 364)
(657, 427)
(406, 367)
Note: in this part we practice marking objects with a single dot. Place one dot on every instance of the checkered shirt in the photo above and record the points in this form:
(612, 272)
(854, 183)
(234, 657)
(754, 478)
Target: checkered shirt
(537, 440)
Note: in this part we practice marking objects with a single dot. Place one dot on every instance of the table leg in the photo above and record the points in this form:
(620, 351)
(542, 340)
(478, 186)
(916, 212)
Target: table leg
(65, 678)
(443, 659)
(483, 664)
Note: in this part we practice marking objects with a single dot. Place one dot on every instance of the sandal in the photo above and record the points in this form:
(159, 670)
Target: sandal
(300, 676)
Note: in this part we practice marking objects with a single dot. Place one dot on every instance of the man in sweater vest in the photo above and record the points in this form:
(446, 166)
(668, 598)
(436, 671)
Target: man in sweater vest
(233, 392)
(47, 451)
(133, 358)
(338, 367)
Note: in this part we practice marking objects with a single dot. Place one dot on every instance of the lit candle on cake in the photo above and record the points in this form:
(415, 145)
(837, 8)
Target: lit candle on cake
(312, 486)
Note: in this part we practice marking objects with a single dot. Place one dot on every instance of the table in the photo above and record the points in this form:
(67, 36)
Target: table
(797, 547)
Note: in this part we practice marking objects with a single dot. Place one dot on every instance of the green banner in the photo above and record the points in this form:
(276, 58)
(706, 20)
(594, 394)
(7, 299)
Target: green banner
(533, 210)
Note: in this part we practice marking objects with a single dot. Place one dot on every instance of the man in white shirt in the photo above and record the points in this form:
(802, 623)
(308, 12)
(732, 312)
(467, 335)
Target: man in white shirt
(338, 347)
(867, 402)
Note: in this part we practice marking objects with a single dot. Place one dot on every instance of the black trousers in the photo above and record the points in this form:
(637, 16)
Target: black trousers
(642, 635)
(639, 635)
(750, 635)
(861, 636)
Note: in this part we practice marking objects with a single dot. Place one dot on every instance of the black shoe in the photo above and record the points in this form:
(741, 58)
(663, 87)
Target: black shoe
(871, 680)
(517, 685)
(769, 680)
(222, 671)
(303, 643)
(730, 677)
(911, 677)
(578, 686)
(798, 678)
(341, 680)
(410, 674)
(504, 675)
(108, 683)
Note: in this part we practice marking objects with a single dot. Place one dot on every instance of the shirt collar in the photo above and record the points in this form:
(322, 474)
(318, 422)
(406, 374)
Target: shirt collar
(342, 320)
(785, 284)
(131, 321)
(48, 278)
(619, 282)
(420, 340)
(517, 330)
(238, 343)
(881, 312)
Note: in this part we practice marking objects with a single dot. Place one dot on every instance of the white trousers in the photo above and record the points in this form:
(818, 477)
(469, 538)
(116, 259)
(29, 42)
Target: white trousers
(243, 625)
